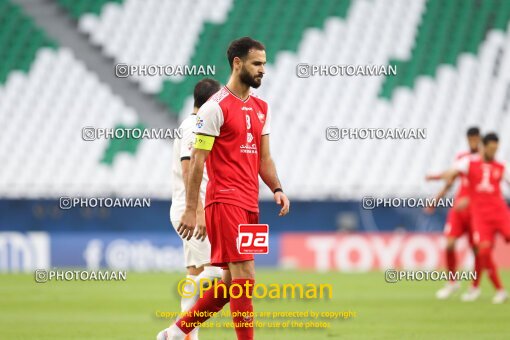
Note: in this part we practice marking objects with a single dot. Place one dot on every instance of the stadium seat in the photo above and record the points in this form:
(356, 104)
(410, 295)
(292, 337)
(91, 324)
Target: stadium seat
(452, 72)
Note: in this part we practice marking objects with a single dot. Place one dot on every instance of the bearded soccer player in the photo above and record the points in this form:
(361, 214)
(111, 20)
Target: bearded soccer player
(489, 212)
(232, 137)
(458, 219)
(197, 250)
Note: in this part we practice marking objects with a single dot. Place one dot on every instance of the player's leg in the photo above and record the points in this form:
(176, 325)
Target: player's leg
(502, 226)
(474, 248)
(453, 230)
(194, 260)
(451, 286)
(212, 301)
(198, 258)
(478, 235)
(221, 235)
(484, 240)
(477, 268)
(188, 300)
(243, 282)
(487, 263)
(241, 304)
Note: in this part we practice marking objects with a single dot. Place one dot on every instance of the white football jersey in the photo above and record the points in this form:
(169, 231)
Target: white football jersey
(181, 151)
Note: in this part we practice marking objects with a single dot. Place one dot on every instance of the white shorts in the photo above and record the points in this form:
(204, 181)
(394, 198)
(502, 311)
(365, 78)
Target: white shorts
(196, 253)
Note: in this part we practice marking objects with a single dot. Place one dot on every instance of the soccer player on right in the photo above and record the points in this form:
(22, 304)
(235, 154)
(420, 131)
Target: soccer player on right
(458, 221)
(489, 212)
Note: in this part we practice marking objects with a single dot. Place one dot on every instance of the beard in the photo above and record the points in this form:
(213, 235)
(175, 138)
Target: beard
(249, 80)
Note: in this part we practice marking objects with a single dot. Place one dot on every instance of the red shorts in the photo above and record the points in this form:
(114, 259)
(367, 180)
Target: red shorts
(458, 223)
(485, 227)
(222, 221)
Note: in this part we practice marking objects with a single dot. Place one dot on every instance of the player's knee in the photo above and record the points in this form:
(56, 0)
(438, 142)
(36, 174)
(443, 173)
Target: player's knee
(484, 246)
(484, 249)
(450, 243)
(244, 269)
(247, 272)
(192, 270)
(226, 277)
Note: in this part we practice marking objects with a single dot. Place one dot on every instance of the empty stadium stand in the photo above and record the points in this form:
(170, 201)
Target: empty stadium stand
(453, 71)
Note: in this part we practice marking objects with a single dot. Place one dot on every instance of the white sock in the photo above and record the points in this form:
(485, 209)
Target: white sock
(193, 335)
(175, 333)
(209, 273)
(188, 302)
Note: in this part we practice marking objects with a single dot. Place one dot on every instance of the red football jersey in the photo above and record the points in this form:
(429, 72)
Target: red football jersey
(234, 161)
(464, 182)
(486, 198)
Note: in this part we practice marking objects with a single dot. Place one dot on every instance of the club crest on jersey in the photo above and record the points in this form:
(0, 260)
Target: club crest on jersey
(261, 116)
(200, 122)
(249, 137)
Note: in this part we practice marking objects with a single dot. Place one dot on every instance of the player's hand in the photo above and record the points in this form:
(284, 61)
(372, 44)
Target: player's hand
(187, 225)
(432, 177)
(281, 199)
(201, 231)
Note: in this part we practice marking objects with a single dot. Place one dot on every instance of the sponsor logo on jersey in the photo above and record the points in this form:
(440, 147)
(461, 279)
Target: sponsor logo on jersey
(261, 116)
(246, 148)
(246, 108)
(253, 239)
(249, 137)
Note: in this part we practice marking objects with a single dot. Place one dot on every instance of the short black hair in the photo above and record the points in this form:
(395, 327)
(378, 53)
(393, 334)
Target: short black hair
(240, 48)
(473, 131)
(490, 137)
(204, 89)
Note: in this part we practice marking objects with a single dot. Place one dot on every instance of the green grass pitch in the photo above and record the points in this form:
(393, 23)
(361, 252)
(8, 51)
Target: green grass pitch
(127, 310)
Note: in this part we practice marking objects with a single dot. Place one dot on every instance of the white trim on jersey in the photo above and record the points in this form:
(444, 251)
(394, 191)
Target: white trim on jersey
(267, 124)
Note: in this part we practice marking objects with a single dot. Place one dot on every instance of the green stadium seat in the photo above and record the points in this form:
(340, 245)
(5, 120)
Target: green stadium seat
(19, 40)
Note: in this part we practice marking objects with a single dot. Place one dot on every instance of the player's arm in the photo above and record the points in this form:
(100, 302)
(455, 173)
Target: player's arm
(448, 185)
(194, 181)
(448, 176)
(506, 174)
(209, 122)
(268, 174)
(435, 177)
(201, 231)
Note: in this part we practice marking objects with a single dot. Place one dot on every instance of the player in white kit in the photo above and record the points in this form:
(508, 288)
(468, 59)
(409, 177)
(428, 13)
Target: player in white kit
(197, 251)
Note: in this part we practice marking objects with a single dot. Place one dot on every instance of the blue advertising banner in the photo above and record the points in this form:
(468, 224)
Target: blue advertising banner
(131, 251)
